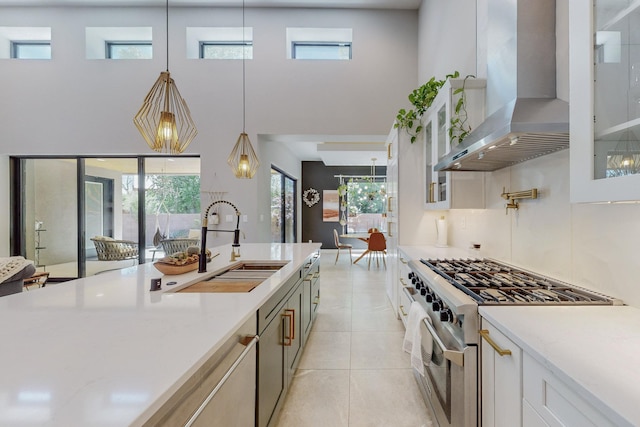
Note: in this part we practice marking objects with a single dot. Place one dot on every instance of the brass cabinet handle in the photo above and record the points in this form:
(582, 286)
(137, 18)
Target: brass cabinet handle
(317, 301)
(402, 260)
(389, 229)
(402, 310)
(316, 274)
(389, 204)
(431, 192)
(290, 342)
(501, 351)
(402, 281)
(292, 322)
(389, 150)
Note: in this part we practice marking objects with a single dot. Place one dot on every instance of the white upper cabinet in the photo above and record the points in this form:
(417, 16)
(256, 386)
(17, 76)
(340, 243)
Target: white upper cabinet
(451, 190)
(605, 100)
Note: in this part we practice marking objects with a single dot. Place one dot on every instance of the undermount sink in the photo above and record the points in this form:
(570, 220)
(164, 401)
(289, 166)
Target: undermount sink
(242, 277)
(259, 265)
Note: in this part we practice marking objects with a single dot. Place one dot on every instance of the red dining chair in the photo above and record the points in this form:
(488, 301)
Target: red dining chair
(377, 246)
(341, 245)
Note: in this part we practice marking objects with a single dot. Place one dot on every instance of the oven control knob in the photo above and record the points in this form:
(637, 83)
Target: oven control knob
(411, 275)
(423, 290)
(446, 315)
(436, 305)
(429, 297)
(415, 280)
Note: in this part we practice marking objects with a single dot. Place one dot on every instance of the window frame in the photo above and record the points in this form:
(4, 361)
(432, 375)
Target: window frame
(108, 45)
(337, 44)
(16, 44)
(204, 43)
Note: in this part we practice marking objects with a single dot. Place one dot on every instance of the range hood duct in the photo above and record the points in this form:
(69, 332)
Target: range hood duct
(526, 119)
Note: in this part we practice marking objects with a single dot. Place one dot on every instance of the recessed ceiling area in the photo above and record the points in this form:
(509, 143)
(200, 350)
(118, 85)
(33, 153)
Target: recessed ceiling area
(333, 150)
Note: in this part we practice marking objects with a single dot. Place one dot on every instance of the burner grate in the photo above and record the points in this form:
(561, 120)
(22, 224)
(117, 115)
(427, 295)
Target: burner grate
(490, 282)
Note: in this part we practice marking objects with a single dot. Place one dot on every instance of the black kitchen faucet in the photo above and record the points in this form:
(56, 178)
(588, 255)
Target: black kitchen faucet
(202, 262)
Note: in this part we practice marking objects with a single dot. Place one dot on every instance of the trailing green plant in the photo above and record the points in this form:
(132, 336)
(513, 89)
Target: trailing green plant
(459, 129)
(421, 99)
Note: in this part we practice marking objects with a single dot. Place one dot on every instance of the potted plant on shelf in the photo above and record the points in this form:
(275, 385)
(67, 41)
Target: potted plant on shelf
(422, 98)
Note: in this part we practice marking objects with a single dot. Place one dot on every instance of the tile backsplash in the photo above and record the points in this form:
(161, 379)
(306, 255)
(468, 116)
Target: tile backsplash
(593, 245)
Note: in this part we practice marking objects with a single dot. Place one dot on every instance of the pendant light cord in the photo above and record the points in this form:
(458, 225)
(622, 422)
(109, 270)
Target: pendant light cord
(167, 24)
(244, 50)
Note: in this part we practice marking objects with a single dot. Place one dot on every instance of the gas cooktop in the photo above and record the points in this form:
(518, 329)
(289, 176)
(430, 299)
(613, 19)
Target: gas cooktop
(492, 282)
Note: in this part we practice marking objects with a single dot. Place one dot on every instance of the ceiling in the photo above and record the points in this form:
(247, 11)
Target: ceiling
(333, 150)
(348, 4)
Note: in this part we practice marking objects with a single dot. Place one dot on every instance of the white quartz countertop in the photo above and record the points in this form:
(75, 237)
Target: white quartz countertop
(593, 349)
(105, 351)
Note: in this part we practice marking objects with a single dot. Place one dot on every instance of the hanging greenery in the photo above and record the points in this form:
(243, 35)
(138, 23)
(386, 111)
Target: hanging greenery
(459, 128)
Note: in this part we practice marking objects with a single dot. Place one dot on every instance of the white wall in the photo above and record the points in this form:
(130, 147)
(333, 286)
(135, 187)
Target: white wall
(447, 38)
(71, 105)
(589, 245)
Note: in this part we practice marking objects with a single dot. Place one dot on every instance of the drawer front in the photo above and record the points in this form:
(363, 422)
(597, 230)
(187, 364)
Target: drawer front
(271, 308)
(405, 303)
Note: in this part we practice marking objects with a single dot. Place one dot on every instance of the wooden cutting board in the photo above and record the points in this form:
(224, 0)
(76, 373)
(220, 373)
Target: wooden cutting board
(222, 286)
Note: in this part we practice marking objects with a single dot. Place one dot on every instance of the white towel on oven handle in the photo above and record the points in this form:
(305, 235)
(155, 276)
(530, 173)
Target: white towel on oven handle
(412, 343)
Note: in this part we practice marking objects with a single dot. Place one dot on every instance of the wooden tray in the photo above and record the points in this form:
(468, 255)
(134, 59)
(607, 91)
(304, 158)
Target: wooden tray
(170, 269)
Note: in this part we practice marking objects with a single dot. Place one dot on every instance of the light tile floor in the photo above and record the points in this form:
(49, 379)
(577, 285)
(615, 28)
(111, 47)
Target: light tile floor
(353, 371)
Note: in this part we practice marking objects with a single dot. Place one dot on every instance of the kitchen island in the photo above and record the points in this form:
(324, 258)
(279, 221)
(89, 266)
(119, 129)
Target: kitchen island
(105, 350)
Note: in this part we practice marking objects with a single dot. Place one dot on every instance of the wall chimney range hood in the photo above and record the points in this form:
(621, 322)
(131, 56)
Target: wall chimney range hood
(526, 119)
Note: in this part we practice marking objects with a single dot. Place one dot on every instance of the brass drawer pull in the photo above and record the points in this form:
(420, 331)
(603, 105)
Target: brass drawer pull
(402, 260)
(402, 311)
(290, 342)
(292, 322)
(501, 351)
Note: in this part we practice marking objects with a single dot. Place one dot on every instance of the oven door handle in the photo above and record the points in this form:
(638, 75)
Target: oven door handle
(454, 356)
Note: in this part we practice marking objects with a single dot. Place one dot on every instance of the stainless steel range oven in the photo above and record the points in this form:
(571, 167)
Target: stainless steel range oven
(450, 291)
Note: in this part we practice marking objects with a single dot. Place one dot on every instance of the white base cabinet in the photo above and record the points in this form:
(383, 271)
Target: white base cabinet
(555, 403)
(519, 391)
(401, 281)
(501, 362)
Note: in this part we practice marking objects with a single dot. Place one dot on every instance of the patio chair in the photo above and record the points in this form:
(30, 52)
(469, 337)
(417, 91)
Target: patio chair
(172, 246)
(109, 249)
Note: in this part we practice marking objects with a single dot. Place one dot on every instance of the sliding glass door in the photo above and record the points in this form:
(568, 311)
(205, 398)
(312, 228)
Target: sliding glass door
(63, 206)
(49, 217)
(283, 207)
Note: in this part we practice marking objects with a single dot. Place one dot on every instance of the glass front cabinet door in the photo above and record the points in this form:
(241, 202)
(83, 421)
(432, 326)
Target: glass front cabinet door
(605, 100)
(443, 189)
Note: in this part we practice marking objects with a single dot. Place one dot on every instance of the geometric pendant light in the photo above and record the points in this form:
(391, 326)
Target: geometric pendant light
(243, 159)
(164, 120)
